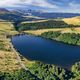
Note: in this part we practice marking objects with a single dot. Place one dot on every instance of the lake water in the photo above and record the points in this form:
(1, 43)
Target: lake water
(45, 50)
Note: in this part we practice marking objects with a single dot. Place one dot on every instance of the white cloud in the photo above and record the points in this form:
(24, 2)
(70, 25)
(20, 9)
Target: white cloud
(16, 3)
(43, 3)
(8, 3)
(70, 7)
(74, 7)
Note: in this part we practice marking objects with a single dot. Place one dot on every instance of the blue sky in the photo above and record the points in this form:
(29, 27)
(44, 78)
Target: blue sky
(70, 6)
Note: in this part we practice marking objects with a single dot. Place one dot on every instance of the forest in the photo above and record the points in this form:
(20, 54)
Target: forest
(42, 71)
(41, 25)
(69, 38)
(46, 24)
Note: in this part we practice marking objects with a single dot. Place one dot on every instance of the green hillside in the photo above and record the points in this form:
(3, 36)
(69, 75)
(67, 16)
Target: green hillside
(10, 67)
(41, 24)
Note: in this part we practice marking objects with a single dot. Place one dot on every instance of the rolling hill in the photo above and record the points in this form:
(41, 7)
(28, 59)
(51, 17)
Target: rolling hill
(73, 21)
(41, 24)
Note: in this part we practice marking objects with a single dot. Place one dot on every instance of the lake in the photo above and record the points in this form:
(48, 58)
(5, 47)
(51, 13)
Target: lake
(47, 51)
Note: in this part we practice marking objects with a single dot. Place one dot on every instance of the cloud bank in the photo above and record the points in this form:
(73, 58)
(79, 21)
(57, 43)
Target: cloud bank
(49, 5)
(18, 3)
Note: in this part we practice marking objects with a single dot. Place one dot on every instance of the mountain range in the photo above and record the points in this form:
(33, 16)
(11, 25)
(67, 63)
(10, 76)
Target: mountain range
(29, 15)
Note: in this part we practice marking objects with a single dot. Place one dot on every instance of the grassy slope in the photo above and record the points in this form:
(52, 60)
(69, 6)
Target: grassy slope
(8, 59)
(63, 30)
(35, 21)
(73, 21)
(7, 27)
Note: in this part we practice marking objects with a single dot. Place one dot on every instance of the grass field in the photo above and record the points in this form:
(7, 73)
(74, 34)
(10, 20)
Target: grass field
(7, 27)
(8, 58)
(73, 21)
(35, 21)
(63, 30)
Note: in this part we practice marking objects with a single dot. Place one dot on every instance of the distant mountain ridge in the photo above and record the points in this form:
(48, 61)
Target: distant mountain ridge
(46, 15)
(8, 15)
(23, 15)
(3, 10)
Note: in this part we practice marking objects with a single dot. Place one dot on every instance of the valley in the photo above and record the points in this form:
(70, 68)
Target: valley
(17, 24)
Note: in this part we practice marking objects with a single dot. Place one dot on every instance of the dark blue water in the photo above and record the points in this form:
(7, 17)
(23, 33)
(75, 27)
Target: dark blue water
(48, 51)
